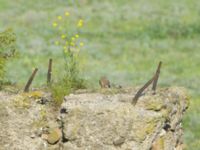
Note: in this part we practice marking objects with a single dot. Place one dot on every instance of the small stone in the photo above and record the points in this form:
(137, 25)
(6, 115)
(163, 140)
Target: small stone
(163, 132)
(58, 118)
(43, 101)
(33, 136)
(54, 136)
(44, 136)
(158, 144)
(119, 141)
(119, 86)
(181, 147)
(63, 110)
(38, 132)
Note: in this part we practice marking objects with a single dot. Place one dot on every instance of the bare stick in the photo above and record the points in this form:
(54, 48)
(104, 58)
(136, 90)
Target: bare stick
(140, 91)
(28, 84)
(156, 77)
(49, 71)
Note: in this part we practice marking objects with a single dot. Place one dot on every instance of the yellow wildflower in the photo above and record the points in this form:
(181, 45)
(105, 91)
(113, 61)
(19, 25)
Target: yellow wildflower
(80, 23)
(65, 51)
(73, 38)
(63, 36)
(81, 44)
(72, 44)
(56, 42)
(65, 47)
(67, 13)
(77, 36)
(59, 17)
(55, 24)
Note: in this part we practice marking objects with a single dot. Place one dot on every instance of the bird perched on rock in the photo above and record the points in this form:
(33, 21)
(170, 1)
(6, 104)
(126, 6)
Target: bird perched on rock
(104, 82)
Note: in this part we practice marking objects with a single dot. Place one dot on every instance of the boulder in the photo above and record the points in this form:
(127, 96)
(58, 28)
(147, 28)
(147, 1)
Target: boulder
(109, 121)
(94, 120)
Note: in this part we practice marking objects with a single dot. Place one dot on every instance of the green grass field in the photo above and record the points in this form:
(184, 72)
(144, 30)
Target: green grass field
(124, 40)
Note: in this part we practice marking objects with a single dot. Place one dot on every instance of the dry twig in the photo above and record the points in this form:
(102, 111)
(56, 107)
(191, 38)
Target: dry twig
(28, 84)
(49, 71)
(140, 91)
(156, 77)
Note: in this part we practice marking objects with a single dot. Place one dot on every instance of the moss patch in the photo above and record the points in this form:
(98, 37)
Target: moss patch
(33, 94)
(154, 103)
(21, 101)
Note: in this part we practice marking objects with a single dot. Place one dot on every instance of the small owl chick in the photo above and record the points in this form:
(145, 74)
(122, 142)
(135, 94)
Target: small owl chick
(104, 82)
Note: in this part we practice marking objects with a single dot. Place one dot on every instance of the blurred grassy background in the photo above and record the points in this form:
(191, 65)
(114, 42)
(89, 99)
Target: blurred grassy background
(124, 40)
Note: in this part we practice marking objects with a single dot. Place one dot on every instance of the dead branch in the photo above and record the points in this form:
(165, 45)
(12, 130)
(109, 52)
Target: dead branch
(28, 84)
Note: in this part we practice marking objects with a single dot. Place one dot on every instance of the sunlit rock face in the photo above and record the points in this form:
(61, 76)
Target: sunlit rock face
(88, 120)
(108, 120)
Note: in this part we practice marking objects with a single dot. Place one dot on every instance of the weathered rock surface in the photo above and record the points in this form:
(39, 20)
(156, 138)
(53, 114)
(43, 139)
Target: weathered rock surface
(109, 122)
(22, 120)
(94, 121)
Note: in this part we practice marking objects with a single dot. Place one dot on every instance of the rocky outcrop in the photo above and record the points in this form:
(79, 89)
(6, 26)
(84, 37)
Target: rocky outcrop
(23, 119)
(109, 121)
(103, 120)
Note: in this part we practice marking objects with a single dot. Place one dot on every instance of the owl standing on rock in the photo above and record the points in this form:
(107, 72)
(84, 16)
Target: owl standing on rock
(104, 82)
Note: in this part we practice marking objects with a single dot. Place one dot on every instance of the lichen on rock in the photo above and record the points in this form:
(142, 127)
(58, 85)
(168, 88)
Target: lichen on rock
(102, 120)
(105, 120)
